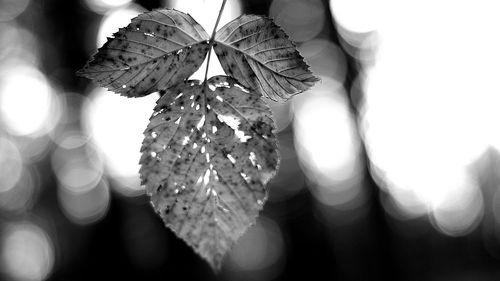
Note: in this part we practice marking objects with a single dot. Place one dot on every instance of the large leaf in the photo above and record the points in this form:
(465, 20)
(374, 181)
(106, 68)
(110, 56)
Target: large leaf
(155, 51)
(260, 56)
(208, 152)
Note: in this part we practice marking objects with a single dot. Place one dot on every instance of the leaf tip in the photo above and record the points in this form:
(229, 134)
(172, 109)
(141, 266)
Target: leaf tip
(216, 262)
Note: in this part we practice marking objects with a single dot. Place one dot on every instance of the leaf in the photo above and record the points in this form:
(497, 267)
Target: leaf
(260, 56)
(155, 51)
(208, 152)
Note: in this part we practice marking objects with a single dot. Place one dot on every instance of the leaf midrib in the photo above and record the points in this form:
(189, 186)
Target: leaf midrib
(130, 66)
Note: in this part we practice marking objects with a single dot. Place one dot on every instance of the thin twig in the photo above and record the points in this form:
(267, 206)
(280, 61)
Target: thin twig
(212, 38)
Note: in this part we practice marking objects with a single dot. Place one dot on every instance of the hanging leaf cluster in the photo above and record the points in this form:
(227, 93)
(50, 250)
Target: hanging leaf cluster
(210, 148)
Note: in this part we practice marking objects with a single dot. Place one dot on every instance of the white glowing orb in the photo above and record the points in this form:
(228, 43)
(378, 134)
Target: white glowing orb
(78, 175)
(301, 20)
(27, 252)
(327, 144)
(71, 139)
(403, 203)
(28, 105)
(78, 169)
(461, 208)
(259, 248)
(496, 206)
(22, 196)
(83, 194)
(359, 15)
(115, 125)
(102, 6)
(115, 19)
(11, 165)
(10, 9)
(19, 45)
(325, 137)
(341, 196)
(429, 112)
(85, 207)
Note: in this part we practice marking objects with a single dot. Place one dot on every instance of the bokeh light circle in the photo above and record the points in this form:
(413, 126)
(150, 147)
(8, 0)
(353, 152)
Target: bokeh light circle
(302, 20)
(10, 9)
(11, 164)
(28, 104)
(115, 125)
(260, 248)
(115, 19)
(27, 252)
(102, 6)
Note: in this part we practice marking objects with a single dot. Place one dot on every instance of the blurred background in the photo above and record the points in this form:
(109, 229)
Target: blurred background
(390, 165)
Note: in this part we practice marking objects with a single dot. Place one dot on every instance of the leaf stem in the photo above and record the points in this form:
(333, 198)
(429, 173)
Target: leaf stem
(212, 38)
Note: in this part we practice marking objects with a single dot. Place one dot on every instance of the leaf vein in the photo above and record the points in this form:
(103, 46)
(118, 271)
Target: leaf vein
(247, 36)
(239, 25)
(172, 26)
(129, 51)
(142, 43)
(258, 61)
(272, 49)
(159, 36)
